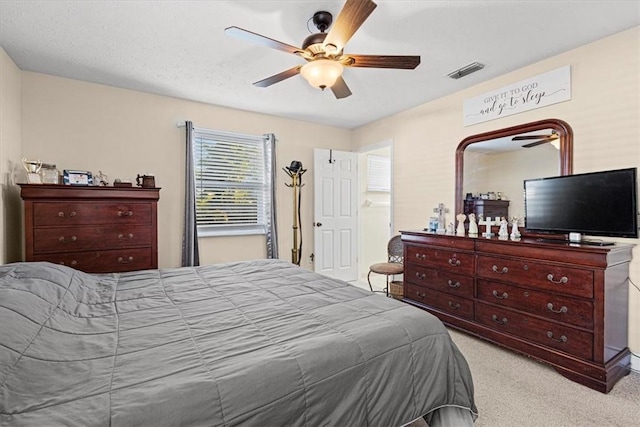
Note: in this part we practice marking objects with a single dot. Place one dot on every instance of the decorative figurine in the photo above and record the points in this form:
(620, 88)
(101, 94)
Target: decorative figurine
(515, 233)
(450, 228)
(101, 179)
(504, 228)
(460, 231)
(487, 223)
(473, 225)
(441, 210)
(32, 167)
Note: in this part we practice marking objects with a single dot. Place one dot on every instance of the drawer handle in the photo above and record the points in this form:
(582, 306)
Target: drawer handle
(73, 262)
(563, 309)
(503, 296)
(421, 256)
(421, 276)
(125, 236)
(125, 213)
(503, 271)
(123, 261)
(454, 306)
(64, 240)
(453, 285)
(562, 337)
(63, 215)
(421, 295)
(562, 280)
(454, 262)
(502, 322)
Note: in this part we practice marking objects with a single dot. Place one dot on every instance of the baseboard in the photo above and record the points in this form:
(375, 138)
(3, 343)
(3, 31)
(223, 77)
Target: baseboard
(635, 362)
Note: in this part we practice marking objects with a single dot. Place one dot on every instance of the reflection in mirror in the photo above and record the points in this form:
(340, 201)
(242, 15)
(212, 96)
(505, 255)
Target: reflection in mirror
(496, 169)
(491, 167)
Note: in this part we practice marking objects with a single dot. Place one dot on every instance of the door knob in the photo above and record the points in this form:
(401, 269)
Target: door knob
(317, 224)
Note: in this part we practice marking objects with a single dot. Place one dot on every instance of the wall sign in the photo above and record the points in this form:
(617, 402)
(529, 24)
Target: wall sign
(545, 89)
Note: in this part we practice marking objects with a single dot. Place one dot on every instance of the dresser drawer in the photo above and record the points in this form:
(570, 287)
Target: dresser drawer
(454, 261)
(452, 304)
(566, 280)
(63, 239)
(442, 240)
(439, 280)
(560, 308)
(89, 213)
(547, 333)
(106, 261)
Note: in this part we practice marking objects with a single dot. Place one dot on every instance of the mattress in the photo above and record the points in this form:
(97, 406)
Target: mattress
(257, 343)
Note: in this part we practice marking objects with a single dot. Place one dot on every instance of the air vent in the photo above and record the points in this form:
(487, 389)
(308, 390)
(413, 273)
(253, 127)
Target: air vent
(466, 70)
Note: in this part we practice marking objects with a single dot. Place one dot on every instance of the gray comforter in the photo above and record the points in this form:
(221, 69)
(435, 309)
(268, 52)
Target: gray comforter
(261, 343)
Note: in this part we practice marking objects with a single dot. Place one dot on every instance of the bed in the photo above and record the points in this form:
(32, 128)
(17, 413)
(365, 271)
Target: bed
(257, 343)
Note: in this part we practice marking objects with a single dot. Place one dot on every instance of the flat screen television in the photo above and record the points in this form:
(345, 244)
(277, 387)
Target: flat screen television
(598, 204)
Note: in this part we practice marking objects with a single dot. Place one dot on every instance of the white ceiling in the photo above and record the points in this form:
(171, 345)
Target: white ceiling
(179, 49)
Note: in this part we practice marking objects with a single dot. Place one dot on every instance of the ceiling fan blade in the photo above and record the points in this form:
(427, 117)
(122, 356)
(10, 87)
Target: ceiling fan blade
(261, 40)
(542, 141)
(278, 77)
(350, 18)
(385, 61)
(526, 137)
(340, 88)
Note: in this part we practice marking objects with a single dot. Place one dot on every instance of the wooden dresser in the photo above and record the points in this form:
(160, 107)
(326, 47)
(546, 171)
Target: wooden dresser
(561, 304)
(93, 229)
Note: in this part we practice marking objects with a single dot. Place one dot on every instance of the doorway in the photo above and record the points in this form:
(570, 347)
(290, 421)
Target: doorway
(375, 218)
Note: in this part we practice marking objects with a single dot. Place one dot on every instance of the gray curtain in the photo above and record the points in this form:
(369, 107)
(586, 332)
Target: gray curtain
(271, 226)
(190, 255)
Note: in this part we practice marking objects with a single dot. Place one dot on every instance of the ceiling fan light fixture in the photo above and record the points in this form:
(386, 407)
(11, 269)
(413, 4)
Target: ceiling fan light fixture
(321, 73)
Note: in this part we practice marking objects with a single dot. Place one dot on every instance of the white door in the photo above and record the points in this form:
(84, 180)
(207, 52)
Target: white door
(335, 176)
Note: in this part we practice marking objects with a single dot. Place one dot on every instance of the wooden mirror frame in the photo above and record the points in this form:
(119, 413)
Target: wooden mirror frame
(565, 153)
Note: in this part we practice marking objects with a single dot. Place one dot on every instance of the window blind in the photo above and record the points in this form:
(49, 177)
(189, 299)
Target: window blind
(232, 182)
(378, 173)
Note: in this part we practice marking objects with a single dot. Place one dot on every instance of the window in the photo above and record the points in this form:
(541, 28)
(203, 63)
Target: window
(233, 183)
(378, 173)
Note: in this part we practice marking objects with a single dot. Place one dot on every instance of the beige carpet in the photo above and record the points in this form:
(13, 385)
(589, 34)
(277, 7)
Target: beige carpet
(513, 390)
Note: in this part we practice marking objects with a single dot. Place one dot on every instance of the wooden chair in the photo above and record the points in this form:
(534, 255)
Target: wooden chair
(394, 264)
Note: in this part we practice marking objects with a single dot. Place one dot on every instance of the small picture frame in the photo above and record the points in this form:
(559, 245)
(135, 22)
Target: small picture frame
(74, 177)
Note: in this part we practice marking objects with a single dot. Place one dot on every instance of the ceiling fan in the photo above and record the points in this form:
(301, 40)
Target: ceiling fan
(324, 51)
(542, 139)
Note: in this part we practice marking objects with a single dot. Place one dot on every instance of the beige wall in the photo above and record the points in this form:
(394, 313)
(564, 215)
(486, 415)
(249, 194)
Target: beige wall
(86, 126)
(604, 113)
(10, 152)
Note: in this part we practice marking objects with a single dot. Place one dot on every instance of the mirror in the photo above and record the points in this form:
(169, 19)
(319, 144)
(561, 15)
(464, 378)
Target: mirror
(491, 167)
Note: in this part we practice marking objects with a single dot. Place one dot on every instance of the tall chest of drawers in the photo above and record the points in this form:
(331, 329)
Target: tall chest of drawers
(93, 229)
(561, 304)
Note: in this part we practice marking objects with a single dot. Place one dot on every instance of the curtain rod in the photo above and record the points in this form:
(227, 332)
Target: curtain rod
(221, 132)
